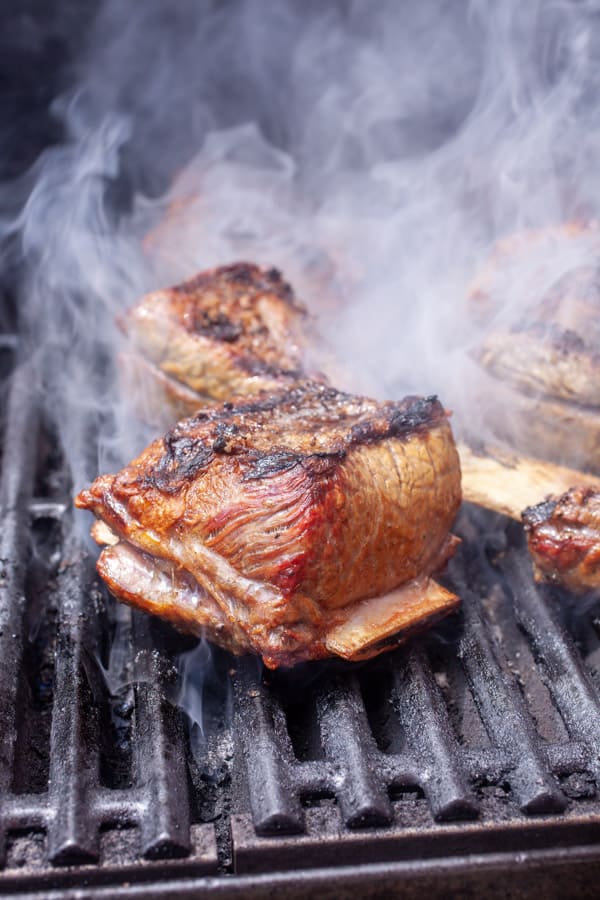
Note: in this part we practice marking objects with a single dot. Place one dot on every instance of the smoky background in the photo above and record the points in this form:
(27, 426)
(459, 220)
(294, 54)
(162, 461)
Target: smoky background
(373, 151)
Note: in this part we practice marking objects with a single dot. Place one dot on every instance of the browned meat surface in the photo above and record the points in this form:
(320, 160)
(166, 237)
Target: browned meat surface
(566, 433)
(545, 360)
(564, 539)
(235, 330)
(297, 525)
(537, 300)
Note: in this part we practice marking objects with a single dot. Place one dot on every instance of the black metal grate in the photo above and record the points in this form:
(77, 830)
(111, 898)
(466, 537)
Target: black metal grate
(484, 735)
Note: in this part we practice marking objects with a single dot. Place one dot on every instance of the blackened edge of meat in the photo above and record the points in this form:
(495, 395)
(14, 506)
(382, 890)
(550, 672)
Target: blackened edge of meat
(244, 275)
(416, 414)
(403, 418)
(263, 402)
(263, 465)
(185, 457)
(218, 327)
(541, 512)
(182, 460)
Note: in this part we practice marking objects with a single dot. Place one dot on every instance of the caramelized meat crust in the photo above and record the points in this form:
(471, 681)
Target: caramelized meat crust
(269, 523)
(234, 330)
(564, 539)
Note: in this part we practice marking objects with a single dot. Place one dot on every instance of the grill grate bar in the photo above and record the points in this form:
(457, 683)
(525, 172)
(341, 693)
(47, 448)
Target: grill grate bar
(422, 712)
(348, 742)
(491, 764)
(505, 716)
(260, 725)
(20, 440)
(73, 832)
(161, 770)
(46, 509)
(566, 678)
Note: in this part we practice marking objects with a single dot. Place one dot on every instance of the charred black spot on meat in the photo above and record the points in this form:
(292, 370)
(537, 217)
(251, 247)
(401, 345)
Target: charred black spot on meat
(320, 465)
(421, 413)
(183, 460)
(225, 437)
(216, 326)
(264, 465)
(414, 415)
(535, 515)
(269, 280)
(252, 365)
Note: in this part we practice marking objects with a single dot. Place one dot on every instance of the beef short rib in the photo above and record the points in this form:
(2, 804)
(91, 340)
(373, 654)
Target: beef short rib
(564, 539)
(298, 524)
(234, 330)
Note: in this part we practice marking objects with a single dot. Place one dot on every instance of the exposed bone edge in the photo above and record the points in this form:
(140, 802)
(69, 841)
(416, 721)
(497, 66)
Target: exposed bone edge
(508, 483)
(361, 631)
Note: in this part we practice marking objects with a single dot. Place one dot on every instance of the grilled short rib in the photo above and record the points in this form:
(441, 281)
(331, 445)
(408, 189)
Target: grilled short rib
(537, 301)
(564, 539)
(299, 524)
(545, 359)
(231, 331)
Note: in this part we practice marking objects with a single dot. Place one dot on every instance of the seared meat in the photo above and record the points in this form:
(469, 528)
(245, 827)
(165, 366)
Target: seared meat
(565, 433)
(538, 300)
(286, 524)
(564, 539)
(543, 359)
(235, 330)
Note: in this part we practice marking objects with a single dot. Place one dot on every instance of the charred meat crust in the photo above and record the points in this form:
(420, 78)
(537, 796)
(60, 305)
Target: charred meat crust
(233, 330)
(536, 515)
(392, 419)
(283, 520)
(563, 534)
(295, 513)
(192, 445)
(241, 276)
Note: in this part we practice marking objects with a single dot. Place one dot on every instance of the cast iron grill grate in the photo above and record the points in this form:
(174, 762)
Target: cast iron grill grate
(484, 732)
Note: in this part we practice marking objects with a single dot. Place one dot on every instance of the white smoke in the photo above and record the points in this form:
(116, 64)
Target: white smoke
(374, 152)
